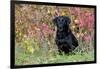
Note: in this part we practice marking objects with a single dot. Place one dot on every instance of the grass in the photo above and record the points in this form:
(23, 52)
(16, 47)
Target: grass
(24, 58)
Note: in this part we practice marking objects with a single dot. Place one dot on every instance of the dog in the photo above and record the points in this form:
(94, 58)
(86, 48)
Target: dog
(65, 39)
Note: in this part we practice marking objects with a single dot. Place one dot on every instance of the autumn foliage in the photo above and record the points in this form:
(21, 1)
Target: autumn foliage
(35, 31)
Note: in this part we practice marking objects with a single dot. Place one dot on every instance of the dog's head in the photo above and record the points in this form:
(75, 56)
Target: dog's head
(62, 22)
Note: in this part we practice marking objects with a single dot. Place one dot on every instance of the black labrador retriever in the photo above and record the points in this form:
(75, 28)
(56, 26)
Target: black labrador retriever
(65, 39)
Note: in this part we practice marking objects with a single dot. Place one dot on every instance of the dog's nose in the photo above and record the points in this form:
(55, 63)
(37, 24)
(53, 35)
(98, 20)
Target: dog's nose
(60, 28)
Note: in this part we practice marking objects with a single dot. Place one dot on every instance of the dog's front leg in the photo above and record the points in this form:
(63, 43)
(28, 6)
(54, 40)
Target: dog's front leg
(60, 41)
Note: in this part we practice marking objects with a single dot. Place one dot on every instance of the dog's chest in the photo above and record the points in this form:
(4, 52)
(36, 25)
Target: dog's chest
(61, 35)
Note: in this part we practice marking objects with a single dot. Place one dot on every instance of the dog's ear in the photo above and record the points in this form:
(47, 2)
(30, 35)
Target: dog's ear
(68, 20)
(55, 21)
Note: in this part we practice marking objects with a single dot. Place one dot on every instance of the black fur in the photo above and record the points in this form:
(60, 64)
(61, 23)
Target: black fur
(65, 39)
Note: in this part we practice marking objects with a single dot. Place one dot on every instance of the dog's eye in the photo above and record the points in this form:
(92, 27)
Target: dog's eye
(63, 20)
(58, 20)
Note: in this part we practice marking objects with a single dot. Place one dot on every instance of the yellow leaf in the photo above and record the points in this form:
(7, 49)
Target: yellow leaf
(85, 32)
(73, 26)
(26, 42)
(48, 43)
(76, 21)
(30, 50)
(63, 13)
(20, 34)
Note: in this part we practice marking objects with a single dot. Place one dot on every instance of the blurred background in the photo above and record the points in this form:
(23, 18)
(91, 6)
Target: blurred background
(35, 34)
